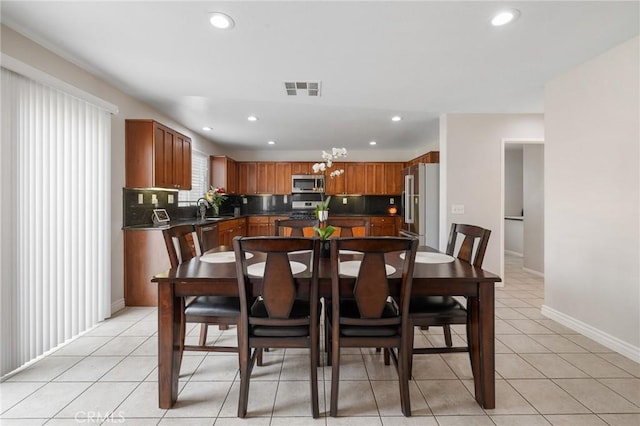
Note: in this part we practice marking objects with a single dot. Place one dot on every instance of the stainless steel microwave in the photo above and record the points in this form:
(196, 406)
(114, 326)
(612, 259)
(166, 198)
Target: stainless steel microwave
(307, 183)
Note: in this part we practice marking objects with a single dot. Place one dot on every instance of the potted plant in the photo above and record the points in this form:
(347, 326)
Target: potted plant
(322, 209)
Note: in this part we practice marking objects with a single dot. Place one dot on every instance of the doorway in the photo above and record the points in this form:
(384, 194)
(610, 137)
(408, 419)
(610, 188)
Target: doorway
(522, 210)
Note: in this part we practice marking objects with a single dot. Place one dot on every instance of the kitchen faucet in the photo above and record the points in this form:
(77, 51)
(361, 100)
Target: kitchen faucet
(202, 208)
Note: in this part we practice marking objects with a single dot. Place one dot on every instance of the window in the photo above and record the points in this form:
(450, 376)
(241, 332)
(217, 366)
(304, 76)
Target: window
(199, 179)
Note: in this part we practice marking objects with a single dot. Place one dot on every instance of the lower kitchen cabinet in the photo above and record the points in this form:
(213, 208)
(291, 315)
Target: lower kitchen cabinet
(145, 255)
(229, 229)
(381, 226)
(208, 235)
(260, 226)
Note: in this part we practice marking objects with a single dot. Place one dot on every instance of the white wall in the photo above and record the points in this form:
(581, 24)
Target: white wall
(533, 204)
(592, 252)
(26, 51)
(513, 180)
(471, 145)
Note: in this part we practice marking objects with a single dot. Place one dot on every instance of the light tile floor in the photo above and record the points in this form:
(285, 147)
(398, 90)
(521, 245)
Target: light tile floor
(546, 374)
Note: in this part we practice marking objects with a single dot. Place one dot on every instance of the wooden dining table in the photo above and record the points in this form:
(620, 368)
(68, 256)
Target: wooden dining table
(199, 276)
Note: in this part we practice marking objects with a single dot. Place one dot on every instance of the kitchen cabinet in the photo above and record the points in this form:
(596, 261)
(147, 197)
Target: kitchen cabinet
(223, 173)
(374, 181)
(156, 156)
(381, 226)
(145, 255)
(429, 157)
(301, 168)
(247, 178)
(336, 185)
(394, 181)
(258, 226)
(283, 178)
(208, 235)
(355, 178)
(229, 229)
(265, 178)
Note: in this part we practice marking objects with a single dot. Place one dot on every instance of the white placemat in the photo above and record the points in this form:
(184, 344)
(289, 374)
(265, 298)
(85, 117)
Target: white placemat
(427, 257)
(222, 257)
(257, 269)
(350, 252)
(352, 267)
(299, 252)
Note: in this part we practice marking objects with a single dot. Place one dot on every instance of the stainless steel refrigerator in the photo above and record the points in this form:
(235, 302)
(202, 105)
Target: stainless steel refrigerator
(421, 203)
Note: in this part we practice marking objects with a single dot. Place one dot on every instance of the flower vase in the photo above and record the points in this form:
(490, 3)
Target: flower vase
(325, 248)
(323, 215)
(216, 210)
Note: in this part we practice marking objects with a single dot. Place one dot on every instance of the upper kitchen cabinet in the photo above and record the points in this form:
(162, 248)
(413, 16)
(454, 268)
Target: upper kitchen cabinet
(429, 157)
(336, 185)
(301, 168)
(393, 178)
(265, 178)
(283, 178)
(223, 173)
(156, 156)
(355, 177)
(375, 181)
(247, 178)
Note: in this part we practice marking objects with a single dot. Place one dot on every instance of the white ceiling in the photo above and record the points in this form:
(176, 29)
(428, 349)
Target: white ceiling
(375, 59)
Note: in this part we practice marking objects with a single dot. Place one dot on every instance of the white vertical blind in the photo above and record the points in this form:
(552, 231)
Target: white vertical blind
(56, 250)
(199, 178)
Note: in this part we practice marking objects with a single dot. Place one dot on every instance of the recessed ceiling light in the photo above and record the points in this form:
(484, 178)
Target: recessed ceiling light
(504, 17)
(206, 128)
(252, 118)
(372, 143)
(271, 142)
(396, 118)
(221, 21)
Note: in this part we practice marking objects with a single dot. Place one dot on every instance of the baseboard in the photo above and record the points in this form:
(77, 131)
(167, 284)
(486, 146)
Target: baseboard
(611, 342)
(117, 306)
(531, 271)
(514, 253)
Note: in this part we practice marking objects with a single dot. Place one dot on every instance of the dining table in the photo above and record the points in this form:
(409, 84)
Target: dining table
(214, 273)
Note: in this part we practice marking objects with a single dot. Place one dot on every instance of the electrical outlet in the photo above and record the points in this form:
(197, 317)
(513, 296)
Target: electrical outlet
(344, 200)
(244, 200)
(140, 199)
(392, 201)
(170, 198)
(457, 209)
(154, 199)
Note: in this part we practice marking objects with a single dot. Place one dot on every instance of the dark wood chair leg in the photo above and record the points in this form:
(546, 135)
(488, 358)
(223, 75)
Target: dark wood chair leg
(387, 358)
(259, 356)
(335, 379)
(203, 334)
(447, 335)
(223, 327)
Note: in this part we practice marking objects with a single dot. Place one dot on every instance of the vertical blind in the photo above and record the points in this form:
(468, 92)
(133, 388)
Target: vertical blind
(55, 218)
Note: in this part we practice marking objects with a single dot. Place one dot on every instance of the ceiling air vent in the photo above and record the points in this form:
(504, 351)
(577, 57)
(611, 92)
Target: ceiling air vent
(295, 88)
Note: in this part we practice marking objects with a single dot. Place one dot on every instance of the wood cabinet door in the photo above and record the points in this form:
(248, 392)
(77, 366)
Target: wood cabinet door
(394, 184)
(355, 178)
(383, 226)
(266, 178)
(247, 178)
(301, 168)
(223, 173)
(374, 179)
(283, 178)
(163, 157)
(336, 185)
(182, 162)
(258, 226)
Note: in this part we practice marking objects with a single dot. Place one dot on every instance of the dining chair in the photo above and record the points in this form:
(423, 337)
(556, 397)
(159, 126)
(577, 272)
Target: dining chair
(367, 315)
(183, 244)
(427, 311)
(349, 227)
(275, 313)
(294, 227)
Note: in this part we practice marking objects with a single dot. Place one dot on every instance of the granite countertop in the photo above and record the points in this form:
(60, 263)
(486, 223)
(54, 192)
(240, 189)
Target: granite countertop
(211, 220)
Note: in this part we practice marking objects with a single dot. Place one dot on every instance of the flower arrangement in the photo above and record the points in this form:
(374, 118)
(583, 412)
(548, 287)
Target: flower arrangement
(214, 197)
(322, 209)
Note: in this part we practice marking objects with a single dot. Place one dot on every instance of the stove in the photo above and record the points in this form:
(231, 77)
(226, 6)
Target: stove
(302, 214)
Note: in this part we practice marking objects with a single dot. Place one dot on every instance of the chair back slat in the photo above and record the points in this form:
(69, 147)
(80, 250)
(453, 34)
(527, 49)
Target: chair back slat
(294, 227)
(280, 291)
(371, 296)
(474, 244)
(182, 243)
(349, 227)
